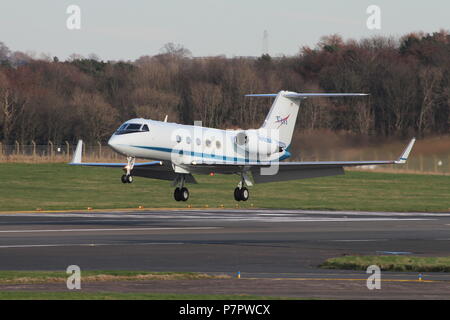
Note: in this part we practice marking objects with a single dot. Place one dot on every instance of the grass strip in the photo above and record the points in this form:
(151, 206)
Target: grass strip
(34, 277)
(51, 186)
(390, 263)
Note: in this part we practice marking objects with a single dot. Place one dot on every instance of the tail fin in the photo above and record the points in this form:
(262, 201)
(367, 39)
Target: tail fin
(282, 117)
(283, 113)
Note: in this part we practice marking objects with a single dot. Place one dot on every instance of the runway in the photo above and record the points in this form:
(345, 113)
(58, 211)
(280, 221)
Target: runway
(271, 244)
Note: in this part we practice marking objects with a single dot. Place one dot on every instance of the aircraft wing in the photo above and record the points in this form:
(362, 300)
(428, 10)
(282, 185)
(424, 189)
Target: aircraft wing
(152, 169)
(283, 171)
(76, 161)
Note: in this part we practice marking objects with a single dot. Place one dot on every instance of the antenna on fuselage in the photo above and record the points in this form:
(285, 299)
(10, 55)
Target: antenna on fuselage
(165, 119)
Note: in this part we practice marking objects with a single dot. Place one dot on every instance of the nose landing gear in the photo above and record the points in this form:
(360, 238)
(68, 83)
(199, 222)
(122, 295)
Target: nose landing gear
(127, 177)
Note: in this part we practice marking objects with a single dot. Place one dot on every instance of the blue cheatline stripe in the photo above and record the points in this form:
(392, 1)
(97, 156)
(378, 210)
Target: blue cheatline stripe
(195, 154)
(203, 155)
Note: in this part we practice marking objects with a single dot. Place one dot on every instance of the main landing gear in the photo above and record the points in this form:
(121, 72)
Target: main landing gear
(127, 177)
(241, 192)
(181, 193)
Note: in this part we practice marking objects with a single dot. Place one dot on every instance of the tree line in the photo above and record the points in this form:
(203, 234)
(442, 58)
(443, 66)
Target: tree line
(408, 80)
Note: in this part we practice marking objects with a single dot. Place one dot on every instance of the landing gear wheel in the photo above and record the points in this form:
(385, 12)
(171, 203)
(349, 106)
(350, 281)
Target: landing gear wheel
(244, 194)
(177, 194)
(184, 194)
(126, 178)
(181, 194)
(241, 194)
(237, 195)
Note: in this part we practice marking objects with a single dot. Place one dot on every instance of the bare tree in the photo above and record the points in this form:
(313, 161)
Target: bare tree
(207, 99)
(155, 104)
(429, 78)
(11, 106)
(97, 117)
(4, 52)
(175, 50)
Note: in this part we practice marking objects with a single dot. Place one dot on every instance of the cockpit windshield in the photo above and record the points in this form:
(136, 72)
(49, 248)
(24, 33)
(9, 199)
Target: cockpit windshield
(132, 127)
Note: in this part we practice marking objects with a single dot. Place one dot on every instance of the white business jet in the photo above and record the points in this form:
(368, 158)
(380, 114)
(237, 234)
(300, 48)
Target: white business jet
(254, 155)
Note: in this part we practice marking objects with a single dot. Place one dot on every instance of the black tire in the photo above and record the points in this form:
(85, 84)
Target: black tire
(244, 194)
(184, 194)
(177, 194)
(237, 194)
(123, 178)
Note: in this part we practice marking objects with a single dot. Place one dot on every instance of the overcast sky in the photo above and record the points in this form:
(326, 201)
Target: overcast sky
(127, 30)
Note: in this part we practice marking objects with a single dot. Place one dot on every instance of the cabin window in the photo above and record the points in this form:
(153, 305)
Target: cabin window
(208, 143)
(178, 138)
(199, 142)
(218, 144)
(188, 140)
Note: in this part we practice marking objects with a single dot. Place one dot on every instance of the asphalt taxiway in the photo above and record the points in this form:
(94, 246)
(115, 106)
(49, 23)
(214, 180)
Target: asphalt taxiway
(270, 244)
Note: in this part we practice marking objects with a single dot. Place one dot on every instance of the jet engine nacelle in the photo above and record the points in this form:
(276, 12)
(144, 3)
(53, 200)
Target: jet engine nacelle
(251, 142)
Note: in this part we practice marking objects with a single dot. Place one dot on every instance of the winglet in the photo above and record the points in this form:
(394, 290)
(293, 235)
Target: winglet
(77, 154)
(402, 159)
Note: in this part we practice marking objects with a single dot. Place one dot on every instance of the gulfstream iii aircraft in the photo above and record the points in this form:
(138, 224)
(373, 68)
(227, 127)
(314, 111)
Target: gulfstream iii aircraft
(255, 155)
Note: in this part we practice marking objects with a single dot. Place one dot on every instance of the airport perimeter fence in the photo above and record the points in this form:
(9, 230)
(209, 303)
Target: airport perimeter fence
(55, 153)
(420, 163)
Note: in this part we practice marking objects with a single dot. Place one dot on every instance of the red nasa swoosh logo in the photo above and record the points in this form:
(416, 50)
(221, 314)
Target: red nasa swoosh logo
(281, 120)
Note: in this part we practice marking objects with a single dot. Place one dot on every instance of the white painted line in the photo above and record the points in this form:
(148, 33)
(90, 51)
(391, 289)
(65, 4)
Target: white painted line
(302, 219)
(87, 245)
(359, 240)
(106, 230)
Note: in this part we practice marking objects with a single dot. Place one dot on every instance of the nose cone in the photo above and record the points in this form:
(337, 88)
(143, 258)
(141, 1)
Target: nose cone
(117, 143)
(112, 142)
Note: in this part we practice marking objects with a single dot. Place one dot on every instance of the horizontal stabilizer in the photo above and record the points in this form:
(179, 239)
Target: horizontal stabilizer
(294, 95)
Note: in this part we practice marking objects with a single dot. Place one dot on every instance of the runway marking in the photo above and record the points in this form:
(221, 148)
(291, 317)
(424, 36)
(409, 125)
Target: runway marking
(257, 211)
(87, 245)
(105, 230)
(396, 252)
(359, 240)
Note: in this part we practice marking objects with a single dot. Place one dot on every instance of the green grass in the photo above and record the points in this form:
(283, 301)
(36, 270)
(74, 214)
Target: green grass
(30, 277)
(60, 186)
(390, 263)
(80, 295)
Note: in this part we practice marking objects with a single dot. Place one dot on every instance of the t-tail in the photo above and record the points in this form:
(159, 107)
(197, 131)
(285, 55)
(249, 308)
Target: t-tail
(283, 113)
